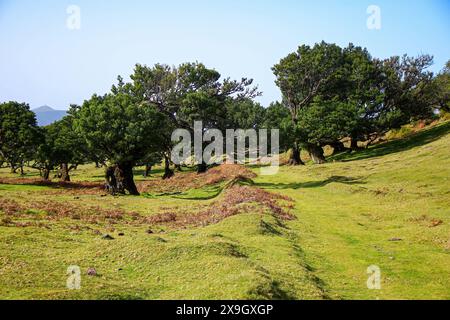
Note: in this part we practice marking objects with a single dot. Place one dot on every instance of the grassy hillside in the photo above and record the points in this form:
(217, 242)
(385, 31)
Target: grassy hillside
(212, 238)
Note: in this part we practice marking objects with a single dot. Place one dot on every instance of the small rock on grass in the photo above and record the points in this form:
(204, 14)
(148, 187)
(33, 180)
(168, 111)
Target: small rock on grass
(92, 272)
(436, 223)
(107, 237)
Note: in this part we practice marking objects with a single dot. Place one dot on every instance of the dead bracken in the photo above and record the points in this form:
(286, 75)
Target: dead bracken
(192, 180)
(236, 200)
(60, 186)
(51, 210)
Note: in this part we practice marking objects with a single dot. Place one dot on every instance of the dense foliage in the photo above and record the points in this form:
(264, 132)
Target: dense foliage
(329, 95)
(334, 93)
(19, 134)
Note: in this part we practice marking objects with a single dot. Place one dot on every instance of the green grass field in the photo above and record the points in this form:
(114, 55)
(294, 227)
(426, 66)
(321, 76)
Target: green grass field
(387, 206)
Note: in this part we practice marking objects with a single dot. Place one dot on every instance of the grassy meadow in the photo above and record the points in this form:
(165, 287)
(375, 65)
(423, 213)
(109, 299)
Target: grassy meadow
(306, 233)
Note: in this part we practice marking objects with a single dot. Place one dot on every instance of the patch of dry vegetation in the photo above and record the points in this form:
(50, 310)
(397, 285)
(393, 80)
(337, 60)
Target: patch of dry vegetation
(55, 211)
(192, 180)
(60, 186)
(236, 200)
(427, 221)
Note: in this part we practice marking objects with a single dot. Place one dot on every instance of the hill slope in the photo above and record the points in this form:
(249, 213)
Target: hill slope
(387, 206)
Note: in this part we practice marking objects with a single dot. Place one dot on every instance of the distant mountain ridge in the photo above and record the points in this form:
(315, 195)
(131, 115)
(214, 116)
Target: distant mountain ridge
(46, 115)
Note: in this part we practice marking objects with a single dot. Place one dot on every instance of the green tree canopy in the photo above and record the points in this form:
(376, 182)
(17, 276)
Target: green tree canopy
(334, 93)
(19, 133)
(302, 76)
(123, 130)
(187, 93)
(442, 88)
(62, 146)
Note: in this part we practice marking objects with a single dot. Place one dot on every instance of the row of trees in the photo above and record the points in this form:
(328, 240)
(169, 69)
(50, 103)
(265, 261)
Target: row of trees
(132, 125)
(329, 94)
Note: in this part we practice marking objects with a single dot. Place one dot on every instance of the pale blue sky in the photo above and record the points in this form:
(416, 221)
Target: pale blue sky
(43, 62)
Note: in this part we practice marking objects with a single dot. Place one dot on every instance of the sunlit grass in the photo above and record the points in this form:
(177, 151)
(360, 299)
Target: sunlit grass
(347, 212)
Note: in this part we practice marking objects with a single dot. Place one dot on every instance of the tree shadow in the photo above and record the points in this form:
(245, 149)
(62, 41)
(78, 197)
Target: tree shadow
(313, 184)
(52, 184)
(416, 140)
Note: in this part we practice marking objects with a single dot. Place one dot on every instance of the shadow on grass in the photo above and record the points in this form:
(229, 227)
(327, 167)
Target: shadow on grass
(204, 194)
(413, 141)
(52, 184)
(313, 184)
(193, 194)
(270, 290)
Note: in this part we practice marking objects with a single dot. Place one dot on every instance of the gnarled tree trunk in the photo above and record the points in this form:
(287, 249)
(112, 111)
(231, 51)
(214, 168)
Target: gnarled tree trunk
(316, 153)
(46, 174)
(354, 144)
(148, 169)
(64, 172)
(119, 179)
(111, 182)
(338, 147)
(202, 167)
(124, 175)
(295, 159)
(168, 173)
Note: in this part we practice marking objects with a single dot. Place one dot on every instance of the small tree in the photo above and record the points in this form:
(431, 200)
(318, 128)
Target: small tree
(46, 157)
(62, 147)
(124, 130)
(19, 134)
(324, 123)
